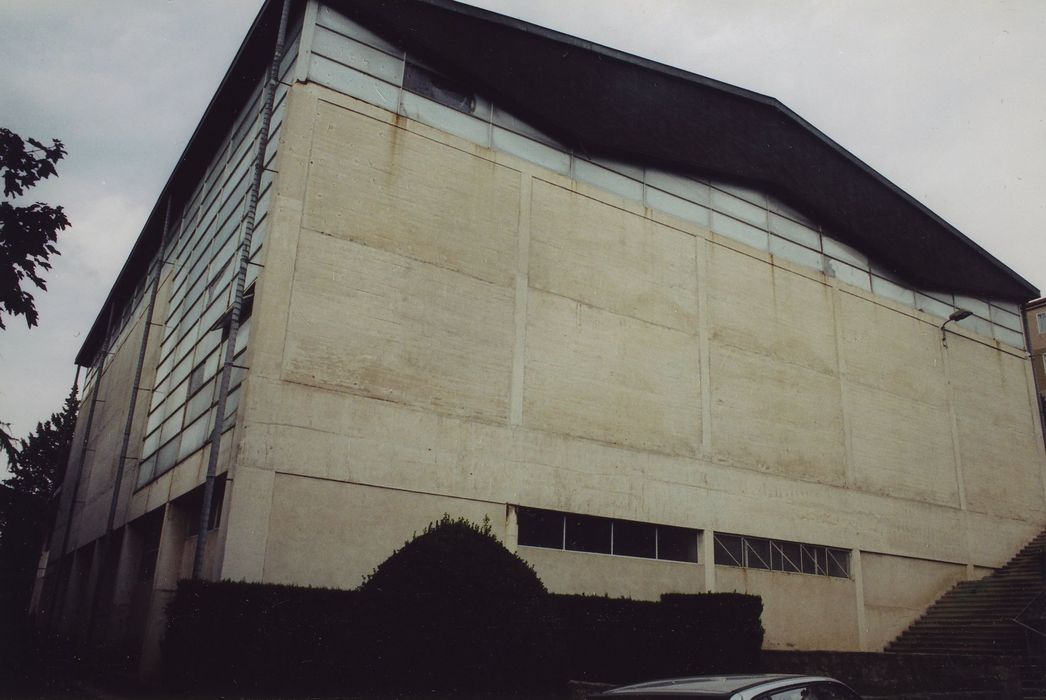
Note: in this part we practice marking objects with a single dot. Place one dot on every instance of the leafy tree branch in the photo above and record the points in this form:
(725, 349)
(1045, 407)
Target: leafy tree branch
(28, 234)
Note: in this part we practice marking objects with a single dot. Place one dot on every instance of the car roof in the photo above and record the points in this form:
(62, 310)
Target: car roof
(710, 686)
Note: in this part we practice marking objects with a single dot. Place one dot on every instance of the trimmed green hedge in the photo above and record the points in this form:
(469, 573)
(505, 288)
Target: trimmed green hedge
(453, 610)
(617, 640)
(253, 637)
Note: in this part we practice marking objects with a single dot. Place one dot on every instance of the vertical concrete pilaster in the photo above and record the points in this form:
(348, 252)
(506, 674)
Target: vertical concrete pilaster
(165, 581)
(954, 423)
(704, 344)
(511, 529)
(708, 557)
(127, 565)
(520, 315)
(858, 579)
(308, 31)
(89, 594)
(247, 524)
(844, 400)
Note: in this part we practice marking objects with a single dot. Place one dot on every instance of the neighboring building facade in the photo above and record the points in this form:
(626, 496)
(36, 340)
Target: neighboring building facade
(647, 380)
(1035, 322)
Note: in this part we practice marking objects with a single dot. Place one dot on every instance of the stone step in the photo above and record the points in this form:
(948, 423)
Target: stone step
(977, 617)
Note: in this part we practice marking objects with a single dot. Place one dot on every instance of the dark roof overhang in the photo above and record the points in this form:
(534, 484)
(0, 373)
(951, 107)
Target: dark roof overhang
(607, 103)
(599, 101)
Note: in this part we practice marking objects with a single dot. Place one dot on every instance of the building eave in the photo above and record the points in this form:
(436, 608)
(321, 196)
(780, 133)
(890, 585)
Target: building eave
(252, 59)
(603, 102)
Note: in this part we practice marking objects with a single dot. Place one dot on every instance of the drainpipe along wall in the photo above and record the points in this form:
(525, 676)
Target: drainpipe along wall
(237, 304)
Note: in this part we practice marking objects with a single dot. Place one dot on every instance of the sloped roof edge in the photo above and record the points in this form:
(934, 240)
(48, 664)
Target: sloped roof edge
(252, 59)
(602, 101)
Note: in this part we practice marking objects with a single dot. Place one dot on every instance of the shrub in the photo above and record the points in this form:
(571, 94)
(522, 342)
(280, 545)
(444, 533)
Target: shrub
(251, 637)
(618, 640)
(453, 609)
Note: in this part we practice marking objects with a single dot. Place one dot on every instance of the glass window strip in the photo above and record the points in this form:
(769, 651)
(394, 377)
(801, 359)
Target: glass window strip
(817, 560)
(528, 522)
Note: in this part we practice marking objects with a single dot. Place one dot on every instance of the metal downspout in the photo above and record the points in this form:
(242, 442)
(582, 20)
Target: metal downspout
(61, 586)
(237, 304)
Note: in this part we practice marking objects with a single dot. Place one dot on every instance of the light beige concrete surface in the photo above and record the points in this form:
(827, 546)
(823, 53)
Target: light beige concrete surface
(915, 434)
(382, 325)
(609, 258)
(107, 430)
(891, 351)
(897, 590)
(246, 523)
(408, 448)
(776, 416)
(411, 196)
(997, 432)
(799, 611)
(770, 311)
(584, 366)
(333, 534)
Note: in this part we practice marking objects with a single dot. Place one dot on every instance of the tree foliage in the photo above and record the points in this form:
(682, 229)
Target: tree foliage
(28, 234)
(37, 467)
(39, 462)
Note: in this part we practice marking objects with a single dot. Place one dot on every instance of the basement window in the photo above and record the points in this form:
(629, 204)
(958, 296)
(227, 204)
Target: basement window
(589, 533)
(778, 555)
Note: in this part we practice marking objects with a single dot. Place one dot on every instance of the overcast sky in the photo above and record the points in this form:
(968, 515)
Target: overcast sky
(947, 98)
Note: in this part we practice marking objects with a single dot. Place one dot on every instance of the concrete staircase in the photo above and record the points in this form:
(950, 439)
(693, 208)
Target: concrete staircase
(978, 617)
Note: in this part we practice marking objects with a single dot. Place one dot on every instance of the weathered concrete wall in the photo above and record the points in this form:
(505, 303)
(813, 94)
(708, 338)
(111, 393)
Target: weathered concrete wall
(601, 574)
(444, 328)
(356, 535)
(898, 590)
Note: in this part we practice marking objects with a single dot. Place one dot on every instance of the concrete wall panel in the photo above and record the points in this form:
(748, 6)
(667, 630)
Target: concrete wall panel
(378, 324)
(897, 590)
(590, 251)
(333, 534)
(890, 350)
(376, 184)
(901, 447)
(765, 309)
(1002, 470)
(595, 374)
(799, 611)
(776, 416)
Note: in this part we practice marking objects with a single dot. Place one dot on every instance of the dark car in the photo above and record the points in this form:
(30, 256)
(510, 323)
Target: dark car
(754, 687)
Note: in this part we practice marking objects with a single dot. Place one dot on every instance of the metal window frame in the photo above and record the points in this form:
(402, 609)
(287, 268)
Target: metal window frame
(717, 539)
(613, 522)
(747, 548)
(776, 545)
(814, 559)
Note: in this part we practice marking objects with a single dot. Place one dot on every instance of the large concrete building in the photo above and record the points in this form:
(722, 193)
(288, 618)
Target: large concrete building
(1035, 320)
(662, 332)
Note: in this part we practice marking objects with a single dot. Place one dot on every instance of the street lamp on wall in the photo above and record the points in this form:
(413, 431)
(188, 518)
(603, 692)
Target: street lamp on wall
(957, 315)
